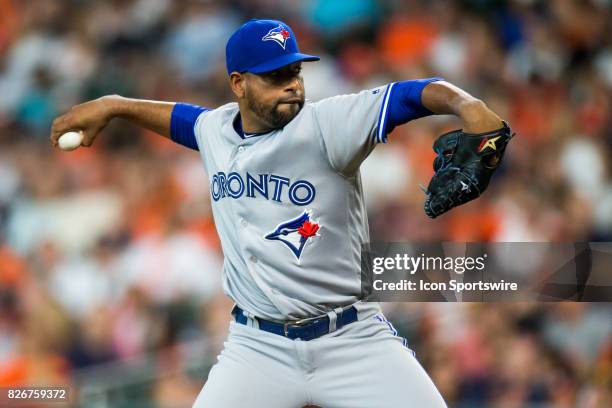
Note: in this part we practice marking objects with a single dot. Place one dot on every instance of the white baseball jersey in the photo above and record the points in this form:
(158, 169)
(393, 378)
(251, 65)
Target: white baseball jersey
(288, 205)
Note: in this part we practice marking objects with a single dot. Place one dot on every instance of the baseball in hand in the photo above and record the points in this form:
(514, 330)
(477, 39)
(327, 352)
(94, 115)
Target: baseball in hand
(70, 140)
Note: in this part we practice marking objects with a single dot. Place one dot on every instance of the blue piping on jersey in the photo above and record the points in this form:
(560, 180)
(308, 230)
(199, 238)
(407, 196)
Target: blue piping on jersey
(382, 135)
(381, 318)
(382, 114)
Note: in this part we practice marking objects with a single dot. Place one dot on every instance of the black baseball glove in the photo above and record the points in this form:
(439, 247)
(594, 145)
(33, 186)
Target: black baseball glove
(464, 166)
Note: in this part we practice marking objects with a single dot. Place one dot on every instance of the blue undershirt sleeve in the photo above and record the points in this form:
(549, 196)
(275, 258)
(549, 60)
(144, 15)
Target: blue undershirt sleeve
(405, 103)
(182, 123)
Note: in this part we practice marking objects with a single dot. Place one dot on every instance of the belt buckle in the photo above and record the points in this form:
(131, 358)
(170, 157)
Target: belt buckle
(297, 323)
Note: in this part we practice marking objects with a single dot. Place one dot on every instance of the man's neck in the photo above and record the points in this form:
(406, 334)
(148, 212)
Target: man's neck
(251, 123)
(238, 126)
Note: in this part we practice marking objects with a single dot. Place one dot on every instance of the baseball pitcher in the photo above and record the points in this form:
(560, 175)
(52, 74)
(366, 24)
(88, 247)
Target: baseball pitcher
(289, 210)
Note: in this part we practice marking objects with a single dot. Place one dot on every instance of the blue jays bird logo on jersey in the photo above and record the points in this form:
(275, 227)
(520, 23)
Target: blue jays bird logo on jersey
(296, 232)
(280, 35)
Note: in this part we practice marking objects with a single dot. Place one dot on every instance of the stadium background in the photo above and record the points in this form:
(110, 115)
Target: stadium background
(109, 261)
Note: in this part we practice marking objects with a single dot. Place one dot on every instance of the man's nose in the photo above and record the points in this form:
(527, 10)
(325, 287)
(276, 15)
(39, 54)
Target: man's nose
(293, 85)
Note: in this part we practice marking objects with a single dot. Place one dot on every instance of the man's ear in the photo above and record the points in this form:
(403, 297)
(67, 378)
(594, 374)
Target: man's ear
(237, 83)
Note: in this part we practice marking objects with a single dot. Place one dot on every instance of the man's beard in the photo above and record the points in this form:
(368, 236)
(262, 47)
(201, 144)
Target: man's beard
(270, 114)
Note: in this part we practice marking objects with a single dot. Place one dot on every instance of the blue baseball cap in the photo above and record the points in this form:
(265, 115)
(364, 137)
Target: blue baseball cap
(260, 46)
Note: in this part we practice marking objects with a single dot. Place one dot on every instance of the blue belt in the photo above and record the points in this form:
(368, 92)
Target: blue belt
(305, 329)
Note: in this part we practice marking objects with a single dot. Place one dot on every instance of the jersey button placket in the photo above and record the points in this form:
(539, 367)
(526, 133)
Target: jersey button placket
(243, 222)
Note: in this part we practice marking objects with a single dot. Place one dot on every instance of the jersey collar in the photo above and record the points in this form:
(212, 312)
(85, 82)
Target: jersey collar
(238, 128)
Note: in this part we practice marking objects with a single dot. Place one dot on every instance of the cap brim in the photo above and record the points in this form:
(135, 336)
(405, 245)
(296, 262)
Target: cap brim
(281, 61)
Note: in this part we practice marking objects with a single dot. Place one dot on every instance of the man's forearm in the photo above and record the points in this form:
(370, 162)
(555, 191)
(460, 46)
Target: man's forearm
(153, 115)
(93, 116)
(444, 98)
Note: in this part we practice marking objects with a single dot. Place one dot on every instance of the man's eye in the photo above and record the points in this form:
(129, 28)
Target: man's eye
(283, 75)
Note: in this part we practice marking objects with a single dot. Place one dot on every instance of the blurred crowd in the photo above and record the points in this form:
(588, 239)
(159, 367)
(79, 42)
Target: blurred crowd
(110, 252)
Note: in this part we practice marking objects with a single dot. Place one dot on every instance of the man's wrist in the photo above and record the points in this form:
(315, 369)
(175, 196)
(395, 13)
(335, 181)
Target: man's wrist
(114, 106)
(478, 118)
(472, 110)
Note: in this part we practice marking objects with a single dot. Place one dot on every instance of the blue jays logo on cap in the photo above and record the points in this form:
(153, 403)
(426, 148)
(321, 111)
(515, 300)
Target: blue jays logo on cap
(279, 34)
(296, 232)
